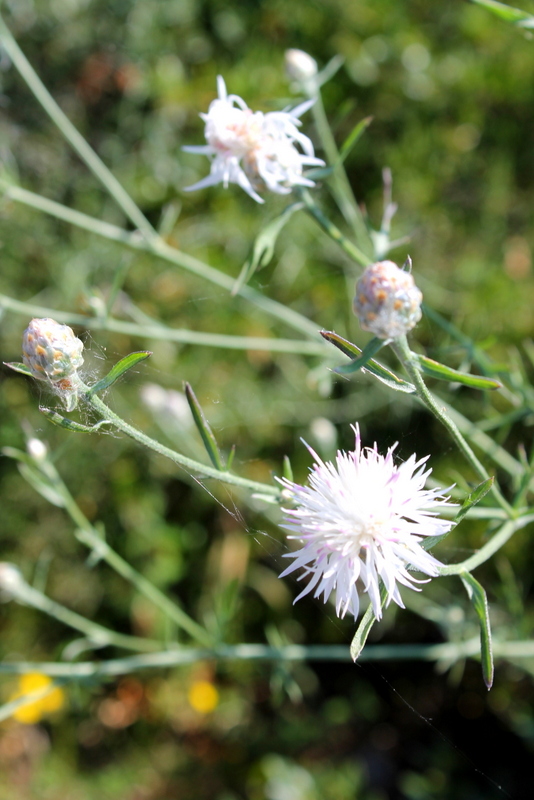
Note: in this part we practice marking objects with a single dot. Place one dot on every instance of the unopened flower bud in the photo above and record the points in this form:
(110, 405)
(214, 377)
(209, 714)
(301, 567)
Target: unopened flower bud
(54, 354)
(36, 449)
(10, 580)
(387, 301)
(300, 66)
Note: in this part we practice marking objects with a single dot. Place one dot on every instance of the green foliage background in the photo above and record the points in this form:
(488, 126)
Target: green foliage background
(451, 93)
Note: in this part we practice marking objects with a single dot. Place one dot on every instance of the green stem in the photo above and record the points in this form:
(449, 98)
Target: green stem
(406, 357)
(98, 634)
(158, 247)
(335, 234)
(195, 467)
(446, 652)
(341, 187)
(75, 139)
(90, 537)
(157, 331)
(490, 548)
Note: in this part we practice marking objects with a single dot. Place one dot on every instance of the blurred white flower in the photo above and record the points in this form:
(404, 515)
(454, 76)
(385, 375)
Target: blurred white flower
(300, 66)
(255, 150)
(362, 520)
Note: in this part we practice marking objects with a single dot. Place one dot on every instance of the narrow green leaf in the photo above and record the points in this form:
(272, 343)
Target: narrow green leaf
(508, 13)
(118, 370)
(364, 628)
(471, 500)
(287, 470)
(16, 367)
(263, 249)
(367, 353)
(479, 601)
(353, 137)
(41, 484)
(64, 422)
(475, 497)
(204, 429)
(319, 173)
(444, 373)
(230, 459)
(374, 368)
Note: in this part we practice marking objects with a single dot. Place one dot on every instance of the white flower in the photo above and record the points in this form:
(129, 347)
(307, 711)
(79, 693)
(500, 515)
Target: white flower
(362, 520)
(255, 150)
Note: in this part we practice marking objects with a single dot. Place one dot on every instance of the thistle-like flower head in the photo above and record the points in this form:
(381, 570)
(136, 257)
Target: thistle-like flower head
(361, 520)
(53, 353)
(387, 301)
(255, 150)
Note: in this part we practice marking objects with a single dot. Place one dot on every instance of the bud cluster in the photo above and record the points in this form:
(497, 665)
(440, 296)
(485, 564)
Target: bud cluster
(387, 301)
(53, 353)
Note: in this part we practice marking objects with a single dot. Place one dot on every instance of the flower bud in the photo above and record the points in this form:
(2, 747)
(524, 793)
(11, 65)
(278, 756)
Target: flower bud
(54, 354)
(36, 449)
(387, 301)
(10, 581)
(300, 66)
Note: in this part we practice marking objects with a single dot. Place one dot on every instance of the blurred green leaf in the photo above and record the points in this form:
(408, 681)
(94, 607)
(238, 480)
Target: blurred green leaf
(118, 370)
(477, 595)
(353, 137)
(508, 13)
(263, 249)
(443, 373)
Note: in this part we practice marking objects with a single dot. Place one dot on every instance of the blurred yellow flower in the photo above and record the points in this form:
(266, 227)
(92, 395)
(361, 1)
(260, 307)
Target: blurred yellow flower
(32, 712)
(203, 697)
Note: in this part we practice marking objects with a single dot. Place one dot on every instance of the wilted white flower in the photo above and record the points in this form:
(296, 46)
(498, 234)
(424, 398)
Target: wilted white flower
(255, 150)
(361, 520)
(387, 301)
(53, 353)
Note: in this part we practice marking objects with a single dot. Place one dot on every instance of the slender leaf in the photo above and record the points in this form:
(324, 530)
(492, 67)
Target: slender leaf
(263, 249)
(508, 13)
(287, 469)
(477, 595)
(230, 459)
(210, 443)
(367, 353)
(41, 484)
(471, 500)
(118, 370)
(16, 367)
(475, 497)
(377, 370)
(64, 422)
(364, 628)
(444, 373)
(353, 137)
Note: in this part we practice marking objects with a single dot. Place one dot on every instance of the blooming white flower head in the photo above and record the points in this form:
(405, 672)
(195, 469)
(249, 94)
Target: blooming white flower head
(361, 520)
(255, 150)
(53, 353)
(387, 301)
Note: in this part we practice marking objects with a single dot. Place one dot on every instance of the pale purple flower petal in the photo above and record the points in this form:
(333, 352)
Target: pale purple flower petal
(361, 521)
